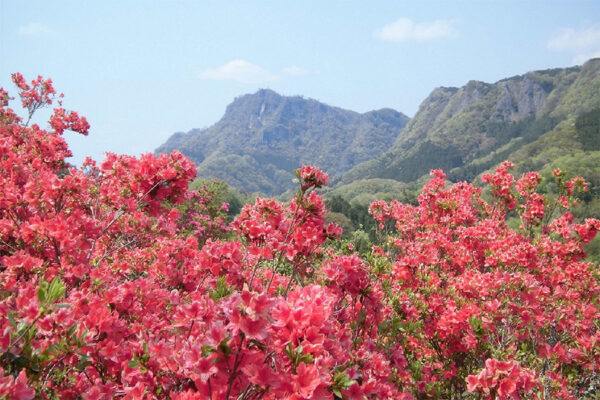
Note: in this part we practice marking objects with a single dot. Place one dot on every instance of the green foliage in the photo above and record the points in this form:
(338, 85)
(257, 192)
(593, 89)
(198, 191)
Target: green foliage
(426, 156)
(221, 289)
(245, 173)
(580, 89)
(587, 126)
(358, 214)
(365, 191)
(219, 192)
(296, 355)
(341, 381)
(341, 220)
(509, 136)
(362, 241)
(593, 250)
(48, 293)
(580, 163)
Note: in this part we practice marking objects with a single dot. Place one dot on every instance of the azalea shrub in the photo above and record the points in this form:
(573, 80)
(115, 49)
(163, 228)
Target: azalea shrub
(486, 309)
(117, 281)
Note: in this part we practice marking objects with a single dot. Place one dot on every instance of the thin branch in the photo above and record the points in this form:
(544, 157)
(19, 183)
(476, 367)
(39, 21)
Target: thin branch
(287, 235)
(118, 215)
(236, 364)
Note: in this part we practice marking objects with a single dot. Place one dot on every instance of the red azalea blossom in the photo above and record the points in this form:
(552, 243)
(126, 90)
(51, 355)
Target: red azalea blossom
(312, 176)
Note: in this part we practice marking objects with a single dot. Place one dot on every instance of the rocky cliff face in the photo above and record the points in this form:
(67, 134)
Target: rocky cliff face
(264, 136)
(520, 99)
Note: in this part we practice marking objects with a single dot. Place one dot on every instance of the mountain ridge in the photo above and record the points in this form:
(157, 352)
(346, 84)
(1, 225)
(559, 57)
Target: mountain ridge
(464, 130)
(264, 136)
(454, 127)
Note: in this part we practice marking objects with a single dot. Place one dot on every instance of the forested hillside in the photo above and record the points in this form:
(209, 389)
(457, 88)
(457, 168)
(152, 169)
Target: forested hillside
(529, 118)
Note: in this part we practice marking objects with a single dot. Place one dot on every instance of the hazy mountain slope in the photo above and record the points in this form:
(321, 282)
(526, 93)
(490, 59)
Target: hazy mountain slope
(470, 129)
(264, 136)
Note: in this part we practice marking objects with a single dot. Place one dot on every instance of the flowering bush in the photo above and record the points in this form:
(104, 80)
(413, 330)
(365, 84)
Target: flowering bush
(467, 292)
(117, 281)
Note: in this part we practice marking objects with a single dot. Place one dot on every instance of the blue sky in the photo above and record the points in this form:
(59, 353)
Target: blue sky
(141, 70)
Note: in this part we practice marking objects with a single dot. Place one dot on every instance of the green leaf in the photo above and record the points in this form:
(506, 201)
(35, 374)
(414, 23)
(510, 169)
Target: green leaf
(42, 292)
(224, 347)
(306, 359)
(221, 290)
(475, 323)
(299, 197)
(258, 344)
(289, 350)
(85, 362)
(11, 319)
(206, 350)
(56, 290)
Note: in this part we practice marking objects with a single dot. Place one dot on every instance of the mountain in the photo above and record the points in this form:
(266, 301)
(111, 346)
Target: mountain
(540, 120)
(264, 136)
(530, 119)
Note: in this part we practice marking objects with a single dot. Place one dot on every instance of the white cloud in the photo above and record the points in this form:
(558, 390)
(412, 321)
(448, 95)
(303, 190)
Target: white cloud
(571, 39)
(405, 29)
(246, 72)
(582, 43)
(34, 29)
(583, 57)
(239, 71)
(294, 71)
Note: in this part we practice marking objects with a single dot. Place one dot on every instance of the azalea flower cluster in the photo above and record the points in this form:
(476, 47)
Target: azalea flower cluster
(310, 176)
(116, 281)
(506, 378)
